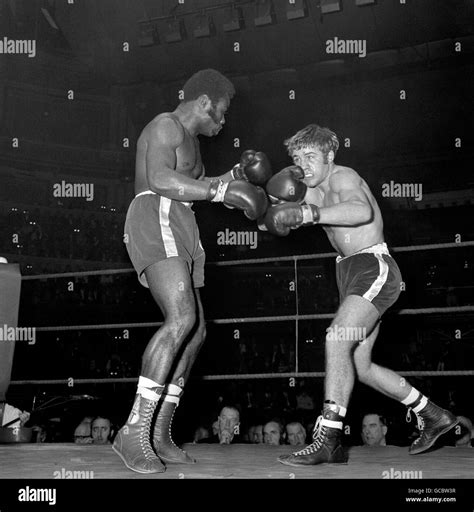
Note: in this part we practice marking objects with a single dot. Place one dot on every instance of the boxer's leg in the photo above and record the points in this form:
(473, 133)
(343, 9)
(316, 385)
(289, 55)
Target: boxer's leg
(170, 285)
(432, 420)
(354, 321)
(162, 440)
(377, 377)
(354, 315)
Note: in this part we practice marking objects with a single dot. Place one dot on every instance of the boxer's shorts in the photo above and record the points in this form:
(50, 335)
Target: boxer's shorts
(158, 228)
(372, 274)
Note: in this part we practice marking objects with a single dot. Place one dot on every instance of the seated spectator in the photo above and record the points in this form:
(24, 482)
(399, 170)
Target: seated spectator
(295, 434)
(273, 433)
(83, 432)
(227, 427)
(40, 434)
(255, 434)
(201, 433)
(374, 430)
(8, 415)
(101, 430)
(465, 432)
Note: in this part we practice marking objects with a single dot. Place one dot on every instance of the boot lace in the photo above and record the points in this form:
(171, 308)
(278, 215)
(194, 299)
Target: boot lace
(420, 423)
(169, 429)
(319, 433)
(145, 432)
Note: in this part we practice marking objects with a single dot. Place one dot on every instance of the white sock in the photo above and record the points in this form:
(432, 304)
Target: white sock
(173, 393)
(413, 397)
(149, 389)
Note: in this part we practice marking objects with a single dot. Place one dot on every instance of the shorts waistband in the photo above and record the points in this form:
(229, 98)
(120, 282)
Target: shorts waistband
(373, 249)
(147, 192)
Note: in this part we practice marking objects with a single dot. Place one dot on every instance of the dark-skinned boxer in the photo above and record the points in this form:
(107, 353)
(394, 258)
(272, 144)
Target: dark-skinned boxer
(317, 191)
(162, 239)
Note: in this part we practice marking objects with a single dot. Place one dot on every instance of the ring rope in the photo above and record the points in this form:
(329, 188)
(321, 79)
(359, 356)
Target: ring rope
(256, 319)
(426, 247)
(246, 376)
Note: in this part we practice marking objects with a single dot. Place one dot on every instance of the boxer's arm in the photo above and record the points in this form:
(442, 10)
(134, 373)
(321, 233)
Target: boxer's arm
(224, 177)
(354, 207)
(163, 140)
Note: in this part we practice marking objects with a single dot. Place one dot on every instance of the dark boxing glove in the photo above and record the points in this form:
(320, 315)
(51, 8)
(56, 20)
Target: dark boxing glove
(280, 218)
(239, 194)
(286, 185)
(254, 167)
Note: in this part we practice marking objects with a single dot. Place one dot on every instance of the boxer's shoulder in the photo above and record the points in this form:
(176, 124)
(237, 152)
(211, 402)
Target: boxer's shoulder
(342, 177)
(165, 127)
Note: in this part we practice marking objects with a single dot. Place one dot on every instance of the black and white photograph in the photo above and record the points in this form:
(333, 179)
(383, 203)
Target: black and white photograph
(236, 244)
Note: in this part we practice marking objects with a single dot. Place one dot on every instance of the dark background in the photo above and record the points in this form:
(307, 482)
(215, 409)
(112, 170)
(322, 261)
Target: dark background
(411, 47)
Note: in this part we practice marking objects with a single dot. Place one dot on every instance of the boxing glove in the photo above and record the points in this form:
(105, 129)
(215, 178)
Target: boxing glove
(250, 199)
(286, 185)
(254, 167)
(281, 218)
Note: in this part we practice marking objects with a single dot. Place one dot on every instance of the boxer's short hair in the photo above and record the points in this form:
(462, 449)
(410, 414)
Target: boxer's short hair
(313, 135)
(209, 82)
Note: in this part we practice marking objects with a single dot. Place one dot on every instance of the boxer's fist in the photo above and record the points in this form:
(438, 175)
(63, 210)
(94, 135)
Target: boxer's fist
(254, 167)
(287, 185)
(280, 218)
(239, 194)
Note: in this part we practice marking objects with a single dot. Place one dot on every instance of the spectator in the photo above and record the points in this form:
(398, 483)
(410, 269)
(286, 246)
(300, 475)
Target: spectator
(101, 430)
(374, 430)
(465, 433)
(255, 434)
(273, 433)
(201, 433)
(83, 432)
(295, 434)
(226, 427)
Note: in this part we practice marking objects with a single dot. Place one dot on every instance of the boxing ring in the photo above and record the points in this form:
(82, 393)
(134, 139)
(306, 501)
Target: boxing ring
(244, 461)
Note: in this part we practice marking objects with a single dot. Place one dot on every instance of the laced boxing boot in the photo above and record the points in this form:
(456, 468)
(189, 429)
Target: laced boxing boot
(433, 422)
(326, 446)
(162, 441)
(132, 443)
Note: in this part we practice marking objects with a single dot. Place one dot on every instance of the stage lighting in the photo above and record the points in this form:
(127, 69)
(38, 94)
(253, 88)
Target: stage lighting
(204, 26)
(49, 18)
(234, 21)
(296, 10)
(328, 6)
(264, 13)
(148, 34)
(176, 31)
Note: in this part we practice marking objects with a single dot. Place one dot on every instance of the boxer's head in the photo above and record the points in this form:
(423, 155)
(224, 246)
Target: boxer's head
(313, 148)
(211, 93)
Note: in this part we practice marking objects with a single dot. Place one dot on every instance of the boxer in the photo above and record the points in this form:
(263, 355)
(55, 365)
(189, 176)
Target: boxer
(162, 240)
(317, 191)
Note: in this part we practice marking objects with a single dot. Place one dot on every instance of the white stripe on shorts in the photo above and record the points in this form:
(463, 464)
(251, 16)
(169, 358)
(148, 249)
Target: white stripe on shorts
(377, 285)
(166, 232)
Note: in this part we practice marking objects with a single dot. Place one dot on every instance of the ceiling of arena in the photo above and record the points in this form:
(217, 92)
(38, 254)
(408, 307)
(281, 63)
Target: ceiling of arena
(95, 30)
